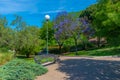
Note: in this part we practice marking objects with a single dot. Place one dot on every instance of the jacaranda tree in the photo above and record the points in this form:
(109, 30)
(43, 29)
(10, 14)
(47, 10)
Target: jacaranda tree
(74, 30)
(60, 28)
(66, 26)
(86, 31)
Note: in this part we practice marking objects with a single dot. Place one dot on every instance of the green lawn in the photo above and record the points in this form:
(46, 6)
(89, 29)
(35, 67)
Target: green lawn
(111, 51)
(40, 59)
(44, 60)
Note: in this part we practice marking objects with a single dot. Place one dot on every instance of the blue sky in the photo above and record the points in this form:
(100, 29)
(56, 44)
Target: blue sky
(33, 11)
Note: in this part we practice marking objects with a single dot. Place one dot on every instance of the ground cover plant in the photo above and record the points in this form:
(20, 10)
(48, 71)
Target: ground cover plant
(18, 69)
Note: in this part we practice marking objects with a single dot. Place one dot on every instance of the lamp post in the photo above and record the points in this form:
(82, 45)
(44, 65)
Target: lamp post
(47, 17)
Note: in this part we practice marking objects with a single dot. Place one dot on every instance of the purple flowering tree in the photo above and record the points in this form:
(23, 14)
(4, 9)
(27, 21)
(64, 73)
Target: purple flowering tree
(66, 26)
(79, 29)
(74, 30)
(87, 31)
(60, 28)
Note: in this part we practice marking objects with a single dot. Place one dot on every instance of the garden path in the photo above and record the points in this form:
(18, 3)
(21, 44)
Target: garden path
(84, 68)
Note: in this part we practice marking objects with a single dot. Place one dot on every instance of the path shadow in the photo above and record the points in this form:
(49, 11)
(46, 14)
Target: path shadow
(86, 69)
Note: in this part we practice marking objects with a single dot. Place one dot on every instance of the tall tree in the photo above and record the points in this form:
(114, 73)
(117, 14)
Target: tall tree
(26, 38)
(60, 28)
(106, 17)
(74, 30)
(89, 17)
(4, 30)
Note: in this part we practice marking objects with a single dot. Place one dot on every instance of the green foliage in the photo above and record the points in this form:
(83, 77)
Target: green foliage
(54, 50)
(106, 19)
(75, 14)
(3, 49)
(47, 60)
(25, 38)
(44, 59)
(103, 17)
(5, 36)
(43, 31)
(65, 49)
(21, 70)
(111, 51)
(5, 56)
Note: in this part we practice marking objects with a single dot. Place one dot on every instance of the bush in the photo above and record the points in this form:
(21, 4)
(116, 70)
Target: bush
(54, 49)
(65, 49)
(3, 49)
(21, 70)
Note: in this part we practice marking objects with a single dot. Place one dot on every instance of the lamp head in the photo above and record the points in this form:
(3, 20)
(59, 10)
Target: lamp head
(47, 17)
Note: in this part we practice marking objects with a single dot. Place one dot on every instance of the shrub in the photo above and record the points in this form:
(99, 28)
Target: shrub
(3, 49)
(54, 50)
(21, 70)
(65, 49)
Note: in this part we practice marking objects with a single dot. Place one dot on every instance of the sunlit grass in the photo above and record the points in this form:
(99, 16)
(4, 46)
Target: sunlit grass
(41, 60)
(111, 51)
(5, 57)
(44, 60)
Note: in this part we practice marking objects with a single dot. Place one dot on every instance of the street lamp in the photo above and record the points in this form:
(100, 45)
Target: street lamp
(47, 17)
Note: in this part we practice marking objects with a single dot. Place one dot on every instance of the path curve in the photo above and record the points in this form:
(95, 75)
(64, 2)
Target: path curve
(59, 71)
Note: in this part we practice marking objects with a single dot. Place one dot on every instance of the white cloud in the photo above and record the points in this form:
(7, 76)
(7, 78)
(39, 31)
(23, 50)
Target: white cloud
(15, 6)
(30, 6)
(53, 11)
(59, 9)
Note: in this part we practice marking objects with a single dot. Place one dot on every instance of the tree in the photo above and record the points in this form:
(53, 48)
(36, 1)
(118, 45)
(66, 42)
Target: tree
(26, 38)
(30, 40)
(4, 32)
(74, 30)
(86, 31)
(60, 29)
(106, 19)
(43, 31)
(66, 26)
(88, 15)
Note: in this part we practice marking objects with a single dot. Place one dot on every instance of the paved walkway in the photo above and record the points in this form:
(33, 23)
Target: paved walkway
(84, 68)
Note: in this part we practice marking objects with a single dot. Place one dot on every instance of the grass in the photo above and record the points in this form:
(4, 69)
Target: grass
(5, 57)
(40, 59)
(22, 57)
(44, 60)
(110, 51)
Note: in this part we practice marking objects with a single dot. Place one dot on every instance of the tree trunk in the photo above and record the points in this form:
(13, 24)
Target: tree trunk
(76, 46)
(60, 48)
(27, 55)
(84, 45)
(98, 41)
(16, 52)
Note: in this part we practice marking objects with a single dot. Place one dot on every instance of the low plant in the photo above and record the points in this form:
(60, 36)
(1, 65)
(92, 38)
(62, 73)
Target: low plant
(43, 59)
(5, 57)
(21, 70)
